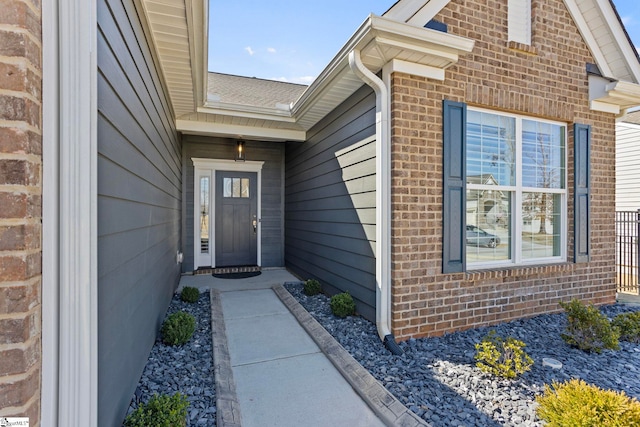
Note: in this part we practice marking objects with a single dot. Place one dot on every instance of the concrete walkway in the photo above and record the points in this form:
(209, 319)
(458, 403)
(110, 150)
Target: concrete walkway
(276, 366)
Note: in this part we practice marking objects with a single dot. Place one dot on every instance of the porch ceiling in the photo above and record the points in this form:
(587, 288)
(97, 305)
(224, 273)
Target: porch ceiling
(178, 29)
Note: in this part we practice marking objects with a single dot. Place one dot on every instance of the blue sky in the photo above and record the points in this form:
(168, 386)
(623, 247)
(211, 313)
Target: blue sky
(293, 41)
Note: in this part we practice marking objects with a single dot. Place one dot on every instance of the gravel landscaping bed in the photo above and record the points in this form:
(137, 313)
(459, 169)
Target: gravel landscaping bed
(437, 378)
(187, 369)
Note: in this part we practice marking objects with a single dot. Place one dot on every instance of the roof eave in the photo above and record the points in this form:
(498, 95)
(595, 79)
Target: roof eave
(380, 41)
(614, 97)
(247, 111)
(618, 39)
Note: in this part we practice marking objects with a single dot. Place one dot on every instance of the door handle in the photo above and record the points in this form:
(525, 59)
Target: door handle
(255, 224)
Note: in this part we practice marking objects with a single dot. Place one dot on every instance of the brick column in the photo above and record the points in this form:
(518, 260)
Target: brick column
(20, 208)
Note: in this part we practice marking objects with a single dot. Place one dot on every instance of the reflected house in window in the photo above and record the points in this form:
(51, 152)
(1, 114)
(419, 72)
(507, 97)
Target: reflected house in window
(486, 207)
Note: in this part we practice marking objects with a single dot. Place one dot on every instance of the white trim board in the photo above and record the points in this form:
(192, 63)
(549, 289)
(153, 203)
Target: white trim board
(69, 279)
(211, 166)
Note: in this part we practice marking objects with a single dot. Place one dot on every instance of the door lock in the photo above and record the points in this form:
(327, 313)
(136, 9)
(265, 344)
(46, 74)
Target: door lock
(255, 224)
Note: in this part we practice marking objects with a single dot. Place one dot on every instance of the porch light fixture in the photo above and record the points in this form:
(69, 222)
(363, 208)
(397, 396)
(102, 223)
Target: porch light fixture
(240, 157)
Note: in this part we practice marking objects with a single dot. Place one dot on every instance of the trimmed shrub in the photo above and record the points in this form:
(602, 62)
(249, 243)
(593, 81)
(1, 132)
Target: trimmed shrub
(342, 305)
(189, 294)
(502, 358)
(628, 324)
(311, 287)
(178, 328)
(160, 411)
(588, 329)
(576, 403)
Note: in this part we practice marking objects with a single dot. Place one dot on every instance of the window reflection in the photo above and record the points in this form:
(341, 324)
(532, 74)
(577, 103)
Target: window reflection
(490, 147)
(541, 225)
(204, 215)
(542, 155)
(488, 233)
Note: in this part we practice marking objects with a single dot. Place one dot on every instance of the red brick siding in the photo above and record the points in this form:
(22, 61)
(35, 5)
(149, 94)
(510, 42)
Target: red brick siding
(548, 80)
(20, 208)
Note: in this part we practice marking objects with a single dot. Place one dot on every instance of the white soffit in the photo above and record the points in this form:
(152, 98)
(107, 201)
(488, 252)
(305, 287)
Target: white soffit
(614, 97)
(605, 36)
(177, 33)
(415, 12)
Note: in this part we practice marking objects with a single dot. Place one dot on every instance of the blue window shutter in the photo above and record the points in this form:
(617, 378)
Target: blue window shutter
(582, 204)
(454, 200)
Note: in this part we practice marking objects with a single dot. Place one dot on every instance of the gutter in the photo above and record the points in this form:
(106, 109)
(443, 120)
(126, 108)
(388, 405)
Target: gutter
(383, 201)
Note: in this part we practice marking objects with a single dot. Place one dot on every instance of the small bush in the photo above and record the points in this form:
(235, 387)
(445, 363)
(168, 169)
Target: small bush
(189, 294)
(576, 403)
(311, 287)
(502, 358)
(628, 324)
(588, 329)
(178, 328)
(160, 411)
(342, 305)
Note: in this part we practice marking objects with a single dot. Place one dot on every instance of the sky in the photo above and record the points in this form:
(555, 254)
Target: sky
(292, 40)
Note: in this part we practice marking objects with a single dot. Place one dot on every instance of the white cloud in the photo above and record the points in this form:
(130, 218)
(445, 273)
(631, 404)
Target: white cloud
(305, 80)
(249, 50)
(271, 50)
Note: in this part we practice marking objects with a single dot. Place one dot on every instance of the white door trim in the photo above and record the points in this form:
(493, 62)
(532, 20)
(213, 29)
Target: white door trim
(69, 243)
(201, 166)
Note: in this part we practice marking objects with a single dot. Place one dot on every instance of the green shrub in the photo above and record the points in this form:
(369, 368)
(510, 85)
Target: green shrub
(628, 324)
(160, 411)
(502, 358)
(342, 305)
(576, 403)
(311, 287)
(588, 329)
(178, 328)
(189, 294)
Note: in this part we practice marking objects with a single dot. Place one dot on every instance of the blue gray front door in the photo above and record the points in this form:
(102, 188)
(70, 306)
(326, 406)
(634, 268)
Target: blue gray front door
(236, 228)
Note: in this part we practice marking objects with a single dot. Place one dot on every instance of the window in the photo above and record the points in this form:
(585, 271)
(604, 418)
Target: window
(236, 188)
(516, 190)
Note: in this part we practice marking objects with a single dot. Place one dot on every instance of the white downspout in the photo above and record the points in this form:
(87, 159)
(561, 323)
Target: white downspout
(383, 200)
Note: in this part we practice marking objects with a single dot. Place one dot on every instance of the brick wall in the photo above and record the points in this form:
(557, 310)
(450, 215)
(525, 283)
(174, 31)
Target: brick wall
(20, 208)
(547, 80)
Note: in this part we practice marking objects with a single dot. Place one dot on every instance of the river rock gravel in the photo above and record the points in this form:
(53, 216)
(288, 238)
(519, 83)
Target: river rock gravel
(187, 369)
(437, 378)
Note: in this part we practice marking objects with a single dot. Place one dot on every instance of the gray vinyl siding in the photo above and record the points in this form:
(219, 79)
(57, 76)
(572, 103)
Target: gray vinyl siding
(627, 166)
(272, 225)
(139, 201)
(330, 202)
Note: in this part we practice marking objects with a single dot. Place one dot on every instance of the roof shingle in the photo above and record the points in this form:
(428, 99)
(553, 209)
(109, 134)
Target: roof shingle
(251, 91)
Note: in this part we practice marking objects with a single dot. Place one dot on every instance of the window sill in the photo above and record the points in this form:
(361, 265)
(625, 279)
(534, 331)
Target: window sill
(559, 265)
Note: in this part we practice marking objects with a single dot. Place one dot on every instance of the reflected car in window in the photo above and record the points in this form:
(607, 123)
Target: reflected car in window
(478, 237)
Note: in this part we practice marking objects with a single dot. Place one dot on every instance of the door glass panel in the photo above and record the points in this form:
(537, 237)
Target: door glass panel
(204, 215)
(245, 188)
(236, 187)
(227, 187)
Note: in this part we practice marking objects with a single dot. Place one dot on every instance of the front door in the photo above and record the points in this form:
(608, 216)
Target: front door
(236, 219)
